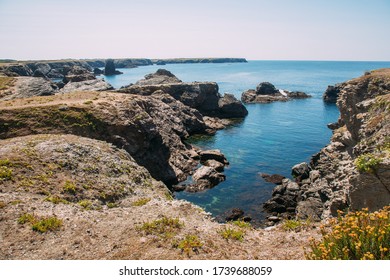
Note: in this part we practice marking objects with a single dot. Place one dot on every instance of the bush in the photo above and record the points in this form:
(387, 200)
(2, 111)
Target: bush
(367, 163)
(230, 233)
(47, 224)
(164, 227)
(69, 187)
(295, 225)
(359, 235)
(141, 201)
(5, 173)
(190, 243)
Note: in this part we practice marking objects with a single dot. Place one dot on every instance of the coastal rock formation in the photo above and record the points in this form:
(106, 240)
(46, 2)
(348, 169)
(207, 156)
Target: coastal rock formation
(109, 68)
(77, 74)
(332, 93)
(353, 171)
(21, 87)
(205, 178)
(161, 76)
(88, 85)
(266, 93)
(202, 96)
(150, 128)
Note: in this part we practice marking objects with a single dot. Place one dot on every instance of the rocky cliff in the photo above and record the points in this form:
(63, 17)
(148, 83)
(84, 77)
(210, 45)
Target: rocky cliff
(150, 128)
(353, 171)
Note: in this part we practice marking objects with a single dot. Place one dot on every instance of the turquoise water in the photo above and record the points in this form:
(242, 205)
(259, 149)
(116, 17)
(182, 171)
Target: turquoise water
(274, 136)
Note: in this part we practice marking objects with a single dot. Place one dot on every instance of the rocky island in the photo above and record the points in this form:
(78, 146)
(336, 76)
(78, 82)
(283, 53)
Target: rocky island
(266, 93)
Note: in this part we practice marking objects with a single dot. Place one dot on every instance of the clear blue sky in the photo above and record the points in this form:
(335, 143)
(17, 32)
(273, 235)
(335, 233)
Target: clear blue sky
(254, 29)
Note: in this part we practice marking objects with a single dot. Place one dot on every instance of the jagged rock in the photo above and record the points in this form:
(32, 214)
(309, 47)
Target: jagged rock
(213, 154)
(150, 128)
(207, 177)
(27, 87)
(218, 166)
(332, 93)
(15, 70)
(333, 126)
(275, 178)
(109, 68)
(89, 85)
(230, 107)
(39, 73)
(300, 171)
(203, 96)
(161, 76)
(297, 94)
(77, 74)
(97, 71)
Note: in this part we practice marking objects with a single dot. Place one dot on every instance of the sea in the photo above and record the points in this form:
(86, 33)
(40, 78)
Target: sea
(273, 137)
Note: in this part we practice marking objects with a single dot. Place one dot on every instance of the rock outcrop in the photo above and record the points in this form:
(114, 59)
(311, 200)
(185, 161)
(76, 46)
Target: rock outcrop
(88, 85)
(150, 128)
(161, 76)
(77, 74)
(22, 87)
(266, 93)
(198, 60)
(353, 171)
(332, 93)
(109, 68)
(202, 96)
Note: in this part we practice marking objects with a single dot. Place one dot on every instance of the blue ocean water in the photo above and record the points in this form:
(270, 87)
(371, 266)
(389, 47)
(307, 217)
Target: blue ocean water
(273, 137)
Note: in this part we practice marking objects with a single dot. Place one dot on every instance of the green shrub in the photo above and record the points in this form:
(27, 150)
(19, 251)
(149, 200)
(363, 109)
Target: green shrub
(190, 243)
(141, 201)
(69, 187)
(357, 235)
(112, 205)
(47, 224)
(5, 173)
(367, 163)
(26, 218)
(295, 225)
(241, 224)
(56, 200)
(86, 204)
(230, 233)
(164, 227)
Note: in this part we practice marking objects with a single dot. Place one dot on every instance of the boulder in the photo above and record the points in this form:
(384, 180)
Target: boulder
(230, 107)
(215, 164)
(266, 88)
(234, 214)
(297, 94)
(109, 69)
(205, 178)
(300, 171)
(213, 154)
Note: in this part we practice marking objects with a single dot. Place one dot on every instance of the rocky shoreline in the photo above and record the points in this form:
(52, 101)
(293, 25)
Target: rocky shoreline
(353, 171)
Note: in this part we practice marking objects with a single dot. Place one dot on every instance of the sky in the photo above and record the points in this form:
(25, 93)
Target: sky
(253, 29)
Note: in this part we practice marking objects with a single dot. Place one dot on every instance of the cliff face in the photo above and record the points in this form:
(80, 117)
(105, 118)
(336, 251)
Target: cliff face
(353, 171)
(150, 128)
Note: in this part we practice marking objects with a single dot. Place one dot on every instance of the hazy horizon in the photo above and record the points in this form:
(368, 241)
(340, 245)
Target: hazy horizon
(301, 30)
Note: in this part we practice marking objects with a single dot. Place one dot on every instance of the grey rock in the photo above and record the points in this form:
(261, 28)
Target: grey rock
(218, 166)
(266, 88)
(213, 155)
(109, 68)
(88, 85)
(300, 171)
(230, 107)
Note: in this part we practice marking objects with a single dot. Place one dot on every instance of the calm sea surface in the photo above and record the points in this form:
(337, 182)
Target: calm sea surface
(273, 137)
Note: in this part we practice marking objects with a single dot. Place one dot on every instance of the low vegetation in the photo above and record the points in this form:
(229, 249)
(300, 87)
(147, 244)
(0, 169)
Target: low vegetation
(191, 243)
(6, 82)
(69, 187)
(41, 225)
(141, 201)
(295, 224)
(367, 163)
(231, 233)
(355, 236)
(164, 228)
